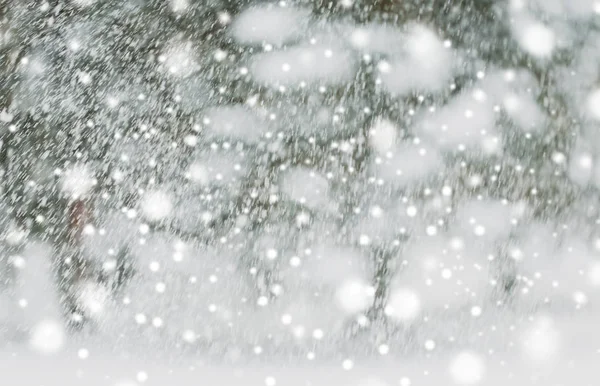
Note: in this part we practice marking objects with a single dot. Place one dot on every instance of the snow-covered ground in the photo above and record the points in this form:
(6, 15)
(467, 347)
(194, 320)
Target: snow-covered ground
(20, 367)
(551, 351)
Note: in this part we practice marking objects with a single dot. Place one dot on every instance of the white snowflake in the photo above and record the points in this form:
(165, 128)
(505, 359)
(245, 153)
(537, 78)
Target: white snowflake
(47, 337)
(467, 368)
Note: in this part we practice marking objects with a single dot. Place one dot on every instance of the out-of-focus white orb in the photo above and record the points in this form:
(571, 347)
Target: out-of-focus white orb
(404, 305)
(538, 40)
(467, 368)
(77, 181)
(593, 104)
(156, 205)
(541, 341)
(354, 296)
(47, 337)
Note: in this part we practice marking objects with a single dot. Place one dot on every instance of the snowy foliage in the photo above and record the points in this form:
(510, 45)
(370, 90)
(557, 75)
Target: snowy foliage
(424, 64)
(270, 24)
(306, 187)
(304, 64)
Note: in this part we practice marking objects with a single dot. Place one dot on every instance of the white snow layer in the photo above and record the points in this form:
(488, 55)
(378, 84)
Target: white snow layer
(179, 6)
(560, 8)
(467, 368)
(111, 233)
(156, 205)
(383, 136)
(487, 219)
(270, 24)
(304, 64)
(217, 169)
(524, 111)
(467, 121)
(235, 123)
(441, 272)
(534, 37)
(34, 307)
(47, 336)
(569, 273)
(374, 38)
(83, 3)
(582, 167)
(37, 286)
(425, 64)
(179, 59)
(306, 187)
(593, 104)
(331, 265)
(403, 305)
(384, 222)
(77, 181)
(192, 93)
(354, 295)
(407, 163)
(100, 367)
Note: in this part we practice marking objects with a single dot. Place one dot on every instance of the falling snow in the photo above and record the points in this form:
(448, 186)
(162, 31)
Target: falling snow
(299, 192)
